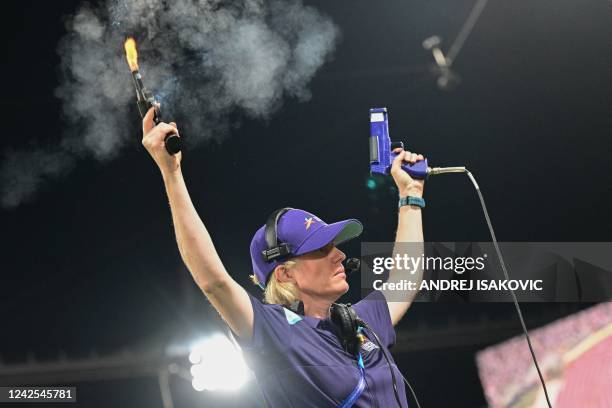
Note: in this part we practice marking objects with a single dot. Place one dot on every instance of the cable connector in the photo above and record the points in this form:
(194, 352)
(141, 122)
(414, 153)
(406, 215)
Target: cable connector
(432, 171)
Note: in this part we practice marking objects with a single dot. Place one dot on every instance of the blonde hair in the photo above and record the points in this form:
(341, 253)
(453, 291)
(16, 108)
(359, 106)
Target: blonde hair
(277, 292)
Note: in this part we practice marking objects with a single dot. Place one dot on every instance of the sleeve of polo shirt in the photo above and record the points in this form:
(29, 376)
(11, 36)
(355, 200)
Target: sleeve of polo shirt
(373, 310)
(271, 330)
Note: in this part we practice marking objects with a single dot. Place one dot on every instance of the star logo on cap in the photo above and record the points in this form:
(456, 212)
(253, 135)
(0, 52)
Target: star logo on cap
(308, 222)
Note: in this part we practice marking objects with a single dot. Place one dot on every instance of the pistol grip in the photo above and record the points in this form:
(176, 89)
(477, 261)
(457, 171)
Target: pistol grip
(173, 143)
(417, 170)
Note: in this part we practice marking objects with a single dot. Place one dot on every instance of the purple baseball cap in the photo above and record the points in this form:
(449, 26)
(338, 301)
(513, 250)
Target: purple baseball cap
(304, 232)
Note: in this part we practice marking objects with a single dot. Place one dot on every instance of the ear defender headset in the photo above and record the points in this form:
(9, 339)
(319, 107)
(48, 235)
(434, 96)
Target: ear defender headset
(275, 249)
(342, 315)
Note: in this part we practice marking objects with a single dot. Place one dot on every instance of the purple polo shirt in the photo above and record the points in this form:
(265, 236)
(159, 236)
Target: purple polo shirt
(298, 361)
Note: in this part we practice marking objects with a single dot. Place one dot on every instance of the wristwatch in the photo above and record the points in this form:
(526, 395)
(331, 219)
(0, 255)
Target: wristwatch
(410, 200)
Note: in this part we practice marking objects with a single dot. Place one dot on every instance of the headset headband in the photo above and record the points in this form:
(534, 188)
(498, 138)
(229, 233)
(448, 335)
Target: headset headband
(275, 249)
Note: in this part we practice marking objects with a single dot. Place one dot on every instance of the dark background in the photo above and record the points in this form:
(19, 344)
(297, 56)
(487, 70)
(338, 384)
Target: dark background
(92, 265)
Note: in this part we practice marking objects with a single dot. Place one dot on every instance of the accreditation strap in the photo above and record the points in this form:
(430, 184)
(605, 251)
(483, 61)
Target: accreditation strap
(356, 393)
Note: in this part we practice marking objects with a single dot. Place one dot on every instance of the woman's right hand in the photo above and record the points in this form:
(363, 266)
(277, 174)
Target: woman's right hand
(153, 140)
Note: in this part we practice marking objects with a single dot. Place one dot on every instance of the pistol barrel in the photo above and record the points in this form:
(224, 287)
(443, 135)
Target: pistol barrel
(141, 94)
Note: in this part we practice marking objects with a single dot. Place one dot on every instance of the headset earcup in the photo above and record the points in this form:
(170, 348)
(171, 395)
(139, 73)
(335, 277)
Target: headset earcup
(346, 318)
(352, 318)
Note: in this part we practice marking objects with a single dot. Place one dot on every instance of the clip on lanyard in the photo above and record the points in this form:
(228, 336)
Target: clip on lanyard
(350, 400)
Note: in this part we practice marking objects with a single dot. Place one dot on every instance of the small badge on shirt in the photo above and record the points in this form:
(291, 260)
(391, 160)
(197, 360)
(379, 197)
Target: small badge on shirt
(367, 345)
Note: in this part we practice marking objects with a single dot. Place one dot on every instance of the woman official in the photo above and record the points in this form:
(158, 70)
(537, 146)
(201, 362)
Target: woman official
(290, 342)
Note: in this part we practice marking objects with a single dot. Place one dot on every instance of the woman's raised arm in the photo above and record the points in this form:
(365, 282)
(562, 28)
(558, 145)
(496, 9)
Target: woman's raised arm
(194, 242)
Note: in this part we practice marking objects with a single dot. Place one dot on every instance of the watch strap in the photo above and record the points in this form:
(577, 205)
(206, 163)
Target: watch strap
(410, 200)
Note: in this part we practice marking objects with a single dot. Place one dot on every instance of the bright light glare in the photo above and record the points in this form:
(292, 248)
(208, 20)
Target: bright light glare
(217, 365)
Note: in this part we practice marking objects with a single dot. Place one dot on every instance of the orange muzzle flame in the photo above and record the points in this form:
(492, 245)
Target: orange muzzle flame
(131, 54)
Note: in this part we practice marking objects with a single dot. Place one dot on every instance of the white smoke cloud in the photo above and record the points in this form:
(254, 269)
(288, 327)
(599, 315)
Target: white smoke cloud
(203, 59)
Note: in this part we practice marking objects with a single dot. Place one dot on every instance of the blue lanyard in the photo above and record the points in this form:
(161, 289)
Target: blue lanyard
(350, 400)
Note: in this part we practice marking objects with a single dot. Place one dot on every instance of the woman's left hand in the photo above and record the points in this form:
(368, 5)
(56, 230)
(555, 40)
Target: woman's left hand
(407, 185)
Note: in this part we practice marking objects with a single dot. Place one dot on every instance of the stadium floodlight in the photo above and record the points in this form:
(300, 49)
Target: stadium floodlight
(218, 364)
